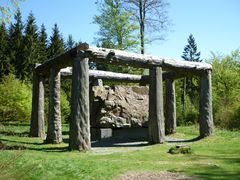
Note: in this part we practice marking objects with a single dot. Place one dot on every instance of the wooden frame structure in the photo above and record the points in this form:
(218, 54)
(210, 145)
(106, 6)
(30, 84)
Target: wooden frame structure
(78, 57)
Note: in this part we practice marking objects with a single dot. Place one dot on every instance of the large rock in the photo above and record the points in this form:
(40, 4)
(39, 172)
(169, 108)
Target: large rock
(119, 106)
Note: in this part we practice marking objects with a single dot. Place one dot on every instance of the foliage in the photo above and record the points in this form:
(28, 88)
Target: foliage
(56, 46)
(65, 107)
(116, 28)
(226, 90)
(6, 8)
(40, 160)
(43, 44)
(31, 45)
(5, 65)
(190, 85)
(15, 47)
(15, 99)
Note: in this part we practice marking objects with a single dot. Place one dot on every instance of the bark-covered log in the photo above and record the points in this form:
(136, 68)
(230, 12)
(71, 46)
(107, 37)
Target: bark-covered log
(79, 138)
(37, 115)
(206, 116)
(156, 114)
(54, 134)
(170, 105)
(102, 55)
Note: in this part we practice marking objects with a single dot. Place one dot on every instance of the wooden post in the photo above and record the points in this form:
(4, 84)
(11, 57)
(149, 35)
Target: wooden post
(79, 138)
(156, 117)
(170, 105)
(206, 117)
(37, 115)
(54, 134)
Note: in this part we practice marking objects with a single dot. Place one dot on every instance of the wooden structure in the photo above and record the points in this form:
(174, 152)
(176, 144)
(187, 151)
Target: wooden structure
(78, 58)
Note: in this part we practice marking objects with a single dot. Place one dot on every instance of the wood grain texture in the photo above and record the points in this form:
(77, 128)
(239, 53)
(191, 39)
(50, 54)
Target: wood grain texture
(206, 116)
(156, 114)
(54, 133)
(79, 138)
(37, 115)
(170, 107)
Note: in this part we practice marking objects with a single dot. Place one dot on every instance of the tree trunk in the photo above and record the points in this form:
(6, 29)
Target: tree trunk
(37, 115)
(79, 138)
(170, 105)
(156, 116)
(54, 134)
(206, 117)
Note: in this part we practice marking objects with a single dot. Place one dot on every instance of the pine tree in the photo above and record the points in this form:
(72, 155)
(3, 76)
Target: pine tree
(30, 47)
(5, 64)
(190, 85)
(56, 46)
(15, 47)
(43, 54)
(70, 43)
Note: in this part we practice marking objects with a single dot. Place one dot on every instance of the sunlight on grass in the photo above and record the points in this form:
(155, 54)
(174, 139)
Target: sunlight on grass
(216, 157)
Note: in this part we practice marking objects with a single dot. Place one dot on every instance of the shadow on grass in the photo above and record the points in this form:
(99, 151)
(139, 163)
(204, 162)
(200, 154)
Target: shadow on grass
(12, 133)
(14, 124)
(184, 140)
(50, 149)
(115, 142)
(213, 171)
(21, 142)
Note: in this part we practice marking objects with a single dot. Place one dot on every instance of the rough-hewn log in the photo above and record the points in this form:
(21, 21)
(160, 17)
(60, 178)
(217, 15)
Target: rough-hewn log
(156, 114)
(118, 57)
(170, 105)
(109, 76)
(61, 61)
(79, 138)
(206, 116)
(37, 115)
(54, 133)
(102, 55)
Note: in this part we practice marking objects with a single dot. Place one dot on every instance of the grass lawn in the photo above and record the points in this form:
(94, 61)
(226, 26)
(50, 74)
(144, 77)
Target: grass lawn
(216, 157)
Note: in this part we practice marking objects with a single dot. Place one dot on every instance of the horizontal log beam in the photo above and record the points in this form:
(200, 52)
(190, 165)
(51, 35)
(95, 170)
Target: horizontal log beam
(61, 61)
(117, 57)
(102, 55)
(120, 77)
(109, 76)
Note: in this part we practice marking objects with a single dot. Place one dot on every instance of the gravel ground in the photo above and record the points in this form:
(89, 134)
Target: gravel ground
(154, 176)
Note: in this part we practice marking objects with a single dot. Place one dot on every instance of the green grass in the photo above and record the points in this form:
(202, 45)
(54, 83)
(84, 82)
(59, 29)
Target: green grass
(216, 157)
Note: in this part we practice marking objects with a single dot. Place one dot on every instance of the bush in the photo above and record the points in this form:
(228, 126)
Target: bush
(15, 99)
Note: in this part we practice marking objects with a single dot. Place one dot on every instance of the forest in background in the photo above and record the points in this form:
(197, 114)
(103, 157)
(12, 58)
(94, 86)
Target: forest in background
(23, 44)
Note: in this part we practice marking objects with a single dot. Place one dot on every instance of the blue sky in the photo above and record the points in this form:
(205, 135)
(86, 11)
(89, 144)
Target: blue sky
(215, 24)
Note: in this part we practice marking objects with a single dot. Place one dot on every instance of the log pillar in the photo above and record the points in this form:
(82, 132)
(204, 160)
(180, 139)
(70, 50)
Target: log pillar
(206, 116)
(37, 115)
(156, 115)
(170, 105)
(79, 138)
(54, 134)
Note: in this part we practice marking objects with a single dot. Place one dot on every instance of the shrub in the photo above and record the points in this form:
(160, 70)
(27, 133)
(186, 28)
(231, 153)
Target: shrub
(15, 99)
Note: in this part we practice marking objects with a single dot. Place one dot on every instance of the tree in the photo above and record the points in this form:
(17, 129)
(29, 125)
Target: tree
(190, 85)
(43, 43)
(70, 43)
(152, 18)
(56, 46)
(30, 47)
(116, 28)
(15, 47)
(6, 8)
(5, 64)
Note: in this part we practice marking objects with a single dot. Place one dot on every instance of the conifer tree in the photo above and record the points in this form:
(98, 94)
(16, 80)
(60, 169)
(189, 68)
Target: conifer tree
(43, 54)
(56, 46)
(30, 47)
(5, 65)
(190, 86)
(15, 47)
(70, 43)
